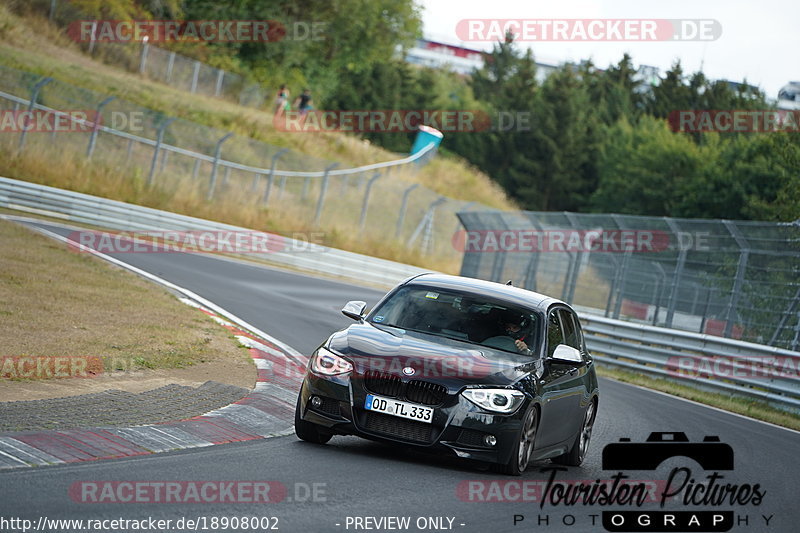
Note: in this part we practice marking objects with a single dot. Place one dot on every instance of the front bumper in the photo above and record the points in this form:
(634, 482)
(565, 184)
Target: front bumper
(458, 426)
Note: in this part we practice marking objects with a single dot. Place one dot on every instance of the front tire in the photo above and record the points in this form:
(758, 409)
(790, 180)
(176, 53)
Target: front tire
(307, 431)
(579, 448)
(523, 450)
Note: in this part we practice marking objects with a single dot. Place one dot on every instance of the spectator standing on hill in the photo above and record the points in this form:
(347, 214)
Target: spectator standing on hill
(281, 101)
(303, 102)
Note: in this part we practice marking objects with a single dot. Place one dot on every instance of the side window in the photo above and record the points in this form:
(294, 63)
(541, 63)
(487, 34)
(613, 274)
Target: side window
(555, 335)
(579, 332)
(570, 329)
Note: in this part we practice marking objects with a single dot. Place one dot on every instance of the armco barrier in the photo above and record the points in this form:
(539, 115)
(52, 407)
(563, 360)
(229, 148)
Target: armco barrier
(111, 214)
(714, 363)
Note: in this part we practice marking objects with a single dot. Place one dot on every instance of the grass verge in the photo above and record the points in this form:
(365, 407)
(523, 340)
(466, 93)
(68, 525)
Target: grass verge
(60, 303)
(743, 406)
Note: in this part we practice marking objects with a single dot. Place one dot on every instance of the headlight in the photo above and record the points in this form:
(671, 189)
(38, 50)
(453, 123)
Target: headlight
(498, 400)
(327, 363)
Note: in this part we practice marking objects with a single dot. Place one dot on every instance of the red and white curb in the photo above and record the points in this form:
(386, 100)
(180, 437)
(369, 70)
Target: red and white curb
(267, 411)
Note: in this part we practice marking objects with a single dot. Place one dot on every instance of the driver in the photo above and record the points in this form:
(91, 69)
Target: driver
(514, 325)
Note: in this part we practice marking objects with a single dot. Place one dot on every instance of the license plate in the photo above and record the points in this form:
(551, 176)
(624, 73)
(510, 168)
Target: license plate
(398, 408)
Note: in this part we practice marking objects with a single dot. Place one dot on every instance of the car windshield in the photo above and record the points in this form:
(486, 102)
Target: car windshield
(467, 318)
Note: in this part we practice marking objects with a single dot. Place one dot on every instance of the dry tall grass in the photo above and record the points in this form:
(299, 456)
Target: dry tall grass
(57, 302)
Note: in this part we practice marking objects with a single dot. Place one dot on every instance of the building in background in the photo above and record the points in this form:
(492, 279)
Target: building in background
(456, 57)
(789, 96)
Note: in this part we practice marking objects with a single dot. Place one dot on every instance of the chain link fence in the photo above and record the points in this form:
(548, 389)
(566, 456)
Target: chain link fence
(380, 201)
(158, 64)
(181, 72)
(734, 279)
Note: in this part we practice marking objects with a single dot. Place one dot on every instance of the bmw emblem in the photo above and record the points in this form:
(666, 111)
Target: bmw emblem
(408, 371)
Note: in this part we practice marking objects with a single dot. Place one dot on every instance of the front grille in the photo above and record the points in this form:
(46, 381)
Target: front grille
(425, 393)
(382, 383)
(470, 437)
(399, 427)
(329, 406)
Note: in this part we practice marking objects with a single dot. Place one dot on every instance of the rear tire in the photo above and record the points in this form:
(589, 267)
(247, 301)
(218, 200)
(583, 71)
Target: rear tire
(307, 431)
(578, 452)
(523, 450)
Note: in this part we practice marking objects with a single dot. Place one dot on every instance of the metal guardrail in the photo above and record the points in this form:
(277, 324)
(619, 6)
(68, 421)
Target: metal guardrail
(705, 361)
(713, 363)
(115, 215)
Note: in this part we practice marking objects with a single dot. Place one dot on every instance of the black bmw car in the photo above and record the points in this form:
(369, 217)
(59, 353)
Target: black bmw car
(481, 370)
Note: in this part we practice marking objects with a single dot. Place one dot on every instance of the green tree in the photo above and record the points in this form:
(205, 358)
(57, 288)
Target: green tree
(646, 169)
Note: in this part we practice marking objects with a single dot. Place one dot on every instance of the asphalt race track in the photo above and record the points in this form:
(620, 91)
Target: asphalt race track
(357, 478)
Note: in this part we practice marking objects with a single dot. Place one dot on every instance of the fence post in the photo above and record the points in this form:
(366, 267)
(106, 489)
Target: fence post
(52, 13)
(282, 188)
(129, 151)
(217, 153)
(362, 222)
(676, 276)
(322, 192)
(268, 190)
(306, 183)
(662, 276)
(143, 57)
(220, 77)
(170, 66)
(785, 318)
(499, 257)
(626, 259)
(613, 288)
(402, 215)
(735, 292)
(93, 137)
(575, 265)
(159, 139)
(93, 40)
(195, 76)
(532, 269)
(744, 255)
(425, 222)
(34, 96)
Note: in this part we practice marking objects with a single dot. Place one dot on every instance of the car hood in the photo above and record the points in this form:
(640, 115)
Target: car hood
(451, 363)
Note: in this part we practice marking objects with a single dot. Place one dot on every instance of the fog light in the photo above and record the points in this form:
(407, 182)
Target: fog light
(316, 402)
(490, 440)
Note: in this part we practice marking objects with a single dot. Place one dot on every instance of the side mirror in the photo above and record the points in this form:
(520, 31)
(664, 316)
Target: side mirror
(354, 309)
(567, 354)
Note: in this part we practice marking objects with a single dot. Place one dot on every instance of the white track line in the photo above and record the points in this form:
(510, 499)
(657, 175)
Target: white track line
(701, 404)
(186, 292)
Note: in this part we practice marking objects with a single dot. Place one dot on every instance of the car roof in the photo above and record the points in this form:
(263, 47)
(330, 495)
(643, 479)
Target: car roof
(491, 289)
